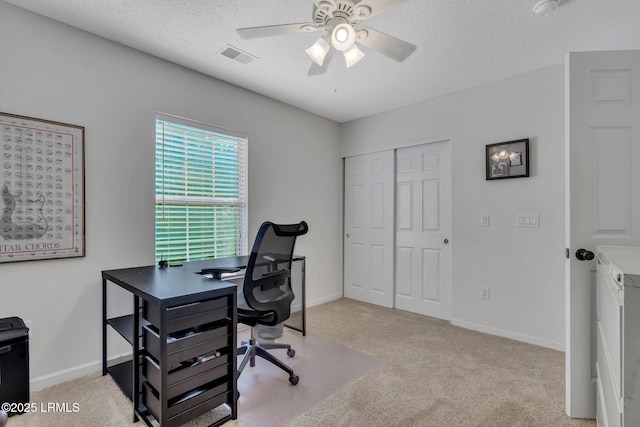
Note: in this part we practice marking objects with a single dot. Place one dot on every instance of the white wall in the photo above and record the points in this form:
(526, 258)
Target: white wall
(51, 71)
(626, 39)
(524, 267)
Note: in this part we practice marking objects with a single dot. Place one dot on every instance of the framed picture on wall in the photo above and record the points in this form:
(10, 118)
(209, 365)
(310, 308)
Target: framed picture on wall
(507, 159)
(41, 189)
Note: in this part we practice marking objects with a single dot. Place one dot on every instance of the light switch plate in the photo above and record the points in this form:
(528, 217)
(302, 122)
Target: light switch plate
(484, 220)
(528, 220)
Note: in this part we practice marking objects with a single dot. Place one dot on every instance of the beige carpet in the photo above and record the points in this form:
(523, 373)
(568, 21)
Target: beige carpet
(430, 374)
(436, 374)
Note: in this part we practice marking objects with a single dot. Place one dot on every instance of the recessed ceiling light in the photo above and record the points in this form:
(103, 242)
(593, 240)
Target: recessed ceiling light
(545, 7)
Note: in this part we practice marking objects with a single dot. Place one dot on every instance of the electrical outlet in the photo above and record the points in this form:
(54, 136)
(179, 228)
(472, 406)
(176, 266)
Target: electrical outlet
(484, 220)
(485, 293)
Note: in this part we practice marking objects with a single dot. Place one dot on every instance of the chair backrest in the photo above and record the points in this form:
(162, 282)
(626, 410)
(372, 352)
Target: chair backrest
(267, 282)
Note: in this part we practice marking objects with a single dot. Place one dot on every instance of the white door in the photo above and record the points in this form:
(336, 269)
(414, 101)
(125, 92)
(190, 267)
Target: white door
(369, 228)
(423, 228)
(603, 194)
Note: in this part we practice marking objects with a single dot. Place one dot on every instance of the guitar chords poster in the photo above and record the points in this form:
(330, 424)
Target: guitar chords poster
(41, 189)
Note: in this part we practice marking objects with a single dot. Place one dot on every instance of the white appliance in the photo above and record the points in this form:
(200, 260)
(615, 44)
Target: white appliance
(618, 336)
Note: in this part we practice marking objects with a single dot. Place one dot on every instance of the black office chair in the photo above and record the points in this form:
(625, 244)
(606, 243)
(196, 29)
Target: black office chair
(265, 300)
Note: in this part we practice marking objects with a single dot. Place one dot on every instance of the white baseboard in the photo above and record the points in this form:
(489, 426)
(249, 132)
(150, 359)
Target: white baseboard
(70, 374)
(324, 300)
(298, 307)
(509, 334)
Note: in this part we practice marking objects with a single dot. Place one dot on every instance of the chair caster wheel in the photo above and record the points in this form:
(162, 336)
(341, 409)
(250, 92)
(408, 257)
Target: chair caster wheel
(291, 352)
(293, 379)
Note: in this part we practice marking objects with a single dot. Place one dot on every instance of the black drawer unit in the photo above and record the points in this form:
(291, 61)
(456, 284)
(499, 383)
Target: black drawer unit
(186, 316)
(186, 347)
(185, 377)
(195, 349)
(14, 361)
(187, 406)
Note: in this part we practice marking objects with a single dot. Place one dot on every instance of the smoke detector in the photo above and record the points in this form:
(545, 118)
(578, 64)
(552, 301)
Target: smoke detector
(545, 7)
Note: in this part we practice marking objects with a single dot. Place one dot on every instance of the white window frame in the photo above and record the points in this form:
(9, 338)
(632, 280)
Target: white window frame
(241, 201)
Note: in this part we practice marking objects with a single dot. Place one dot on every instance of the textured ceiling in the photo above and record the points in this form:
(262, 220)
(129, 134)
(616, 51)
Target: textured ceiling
(461, 44)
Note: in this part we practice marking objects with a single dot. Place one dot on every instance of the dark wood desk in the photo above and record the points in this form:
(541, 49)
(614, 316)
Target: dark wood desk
(157, 293)
(167, 301)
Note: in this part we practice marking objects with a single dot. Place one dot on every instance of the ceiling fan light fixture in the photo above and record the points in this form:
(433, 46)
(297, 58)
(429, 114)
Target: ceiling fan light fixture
(342, 34)
(545, 7)
(339, 21)
(318, 51)
(352, 55)
(343, 37)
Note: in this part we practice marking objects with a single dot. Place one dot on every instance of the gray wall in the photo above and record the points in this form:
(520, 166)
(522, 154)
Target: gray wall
(51, 71)
(524, 267)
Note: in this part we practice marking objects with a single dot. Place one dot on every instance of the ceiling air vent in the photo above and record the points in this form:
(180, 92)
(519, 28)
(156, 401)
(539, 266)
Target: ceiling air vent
(238, 55)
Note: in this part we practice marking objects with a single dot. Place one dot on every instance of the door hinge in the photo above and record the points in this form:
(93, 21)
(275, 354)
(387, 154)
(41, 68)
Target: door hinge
(567, 253)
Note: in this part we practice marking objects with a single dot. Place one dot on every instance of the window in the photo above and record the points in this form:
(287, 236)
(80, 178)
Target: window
(201, 191)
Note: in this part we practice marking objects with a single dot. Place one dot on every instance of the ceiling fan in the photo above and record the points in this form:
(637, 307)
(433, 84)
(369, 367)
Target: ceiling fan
(340, 19)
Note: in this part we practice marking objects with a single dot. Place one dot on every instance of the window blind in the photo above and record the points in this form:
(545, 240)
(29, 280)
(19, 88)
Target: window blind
(201, 190)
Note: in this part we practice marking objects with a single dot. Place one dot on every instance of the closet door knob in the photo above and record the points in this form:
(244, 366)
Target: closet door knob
(445, 241)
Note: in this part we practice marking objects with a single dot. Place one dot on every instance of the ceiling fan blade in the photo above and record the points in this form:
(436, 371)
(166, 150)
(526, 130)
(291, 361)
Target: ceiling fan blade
(276, 30)
(316, 69)
(387, 45)
(378, 6)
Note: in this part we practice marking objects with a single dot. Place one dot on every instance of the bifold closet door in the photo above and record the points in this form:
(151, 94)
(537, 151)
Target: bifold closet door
(423, 229)
(369, 228)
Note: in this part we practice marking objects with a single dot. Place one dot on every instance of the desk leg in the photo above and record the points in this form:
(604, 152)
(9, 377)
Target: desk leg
(304, 299)
(234, 360)
(104, 327)
(135, 394)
